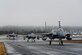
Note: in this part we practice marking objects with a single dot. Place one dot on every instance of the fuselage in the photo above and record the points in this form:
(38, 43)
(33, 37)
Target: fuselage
(59, 33)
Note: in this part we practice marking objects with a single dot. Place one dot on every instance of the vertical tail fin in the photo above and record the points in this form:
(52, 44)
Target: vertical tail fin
(59, 25)
(45, 26)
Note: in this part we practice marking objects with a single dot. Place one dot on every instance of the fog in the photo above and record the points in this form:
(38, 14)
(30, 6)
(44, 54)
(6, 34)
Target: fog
(36, 12)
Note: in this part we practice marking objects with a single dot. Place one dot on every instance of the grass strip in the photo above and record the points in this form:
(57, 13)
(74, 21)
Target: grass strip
(68, 41)
(2, 49)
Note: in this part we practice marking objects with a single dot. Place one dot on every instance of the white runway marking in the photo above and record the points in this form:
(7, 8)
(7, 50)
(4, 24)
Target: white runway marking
(11, 50)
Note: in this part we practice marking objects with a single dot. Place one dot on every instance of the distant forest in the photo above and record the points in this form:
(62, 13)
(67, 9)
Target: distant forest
(39, 29)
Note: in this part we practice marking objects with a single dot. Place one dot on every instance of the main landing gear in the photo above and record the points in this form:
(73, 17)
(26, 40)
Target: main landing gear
(60, 42)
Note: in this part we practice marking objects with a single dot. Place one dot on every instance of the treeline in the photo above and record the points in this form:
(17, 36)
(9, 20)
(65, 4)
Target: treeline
(35, 29)
(23, 29)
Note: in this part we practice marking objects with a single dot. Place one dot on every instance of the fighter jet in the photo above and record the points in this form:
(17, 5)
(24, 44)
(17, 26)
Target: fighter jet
(12, 35)
(31, 36)
(57, 34)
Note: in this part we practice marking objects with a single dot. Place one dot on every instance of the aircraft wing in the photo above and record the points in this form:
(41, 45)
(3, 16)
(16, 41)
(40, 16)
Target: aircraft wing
(44, 34)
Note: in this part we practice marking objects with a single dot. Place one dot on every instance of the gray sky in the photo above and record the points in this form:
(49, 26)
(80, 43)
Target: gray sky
(36, 12)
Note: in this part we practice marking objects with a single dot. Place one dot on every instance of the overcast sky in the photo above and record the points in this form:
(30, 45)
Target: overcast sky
(36, 12)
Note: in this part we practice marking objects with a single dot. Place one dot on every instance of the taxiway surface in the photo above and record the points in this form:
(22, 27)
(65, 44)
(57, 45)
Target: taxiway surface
(21, 47)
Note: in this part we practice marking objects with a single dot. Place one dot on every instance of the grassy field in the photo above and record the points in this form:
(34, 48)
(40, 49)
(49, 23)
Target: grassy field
(2, 49)
(72, 41)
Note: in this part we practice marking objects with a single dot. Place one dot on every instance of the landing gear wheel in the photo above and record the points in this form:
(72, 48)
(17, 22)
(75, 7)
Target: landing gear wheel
(61, 42)
(50, 42)
(27, 40)
(24, 38)
(34, 40)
